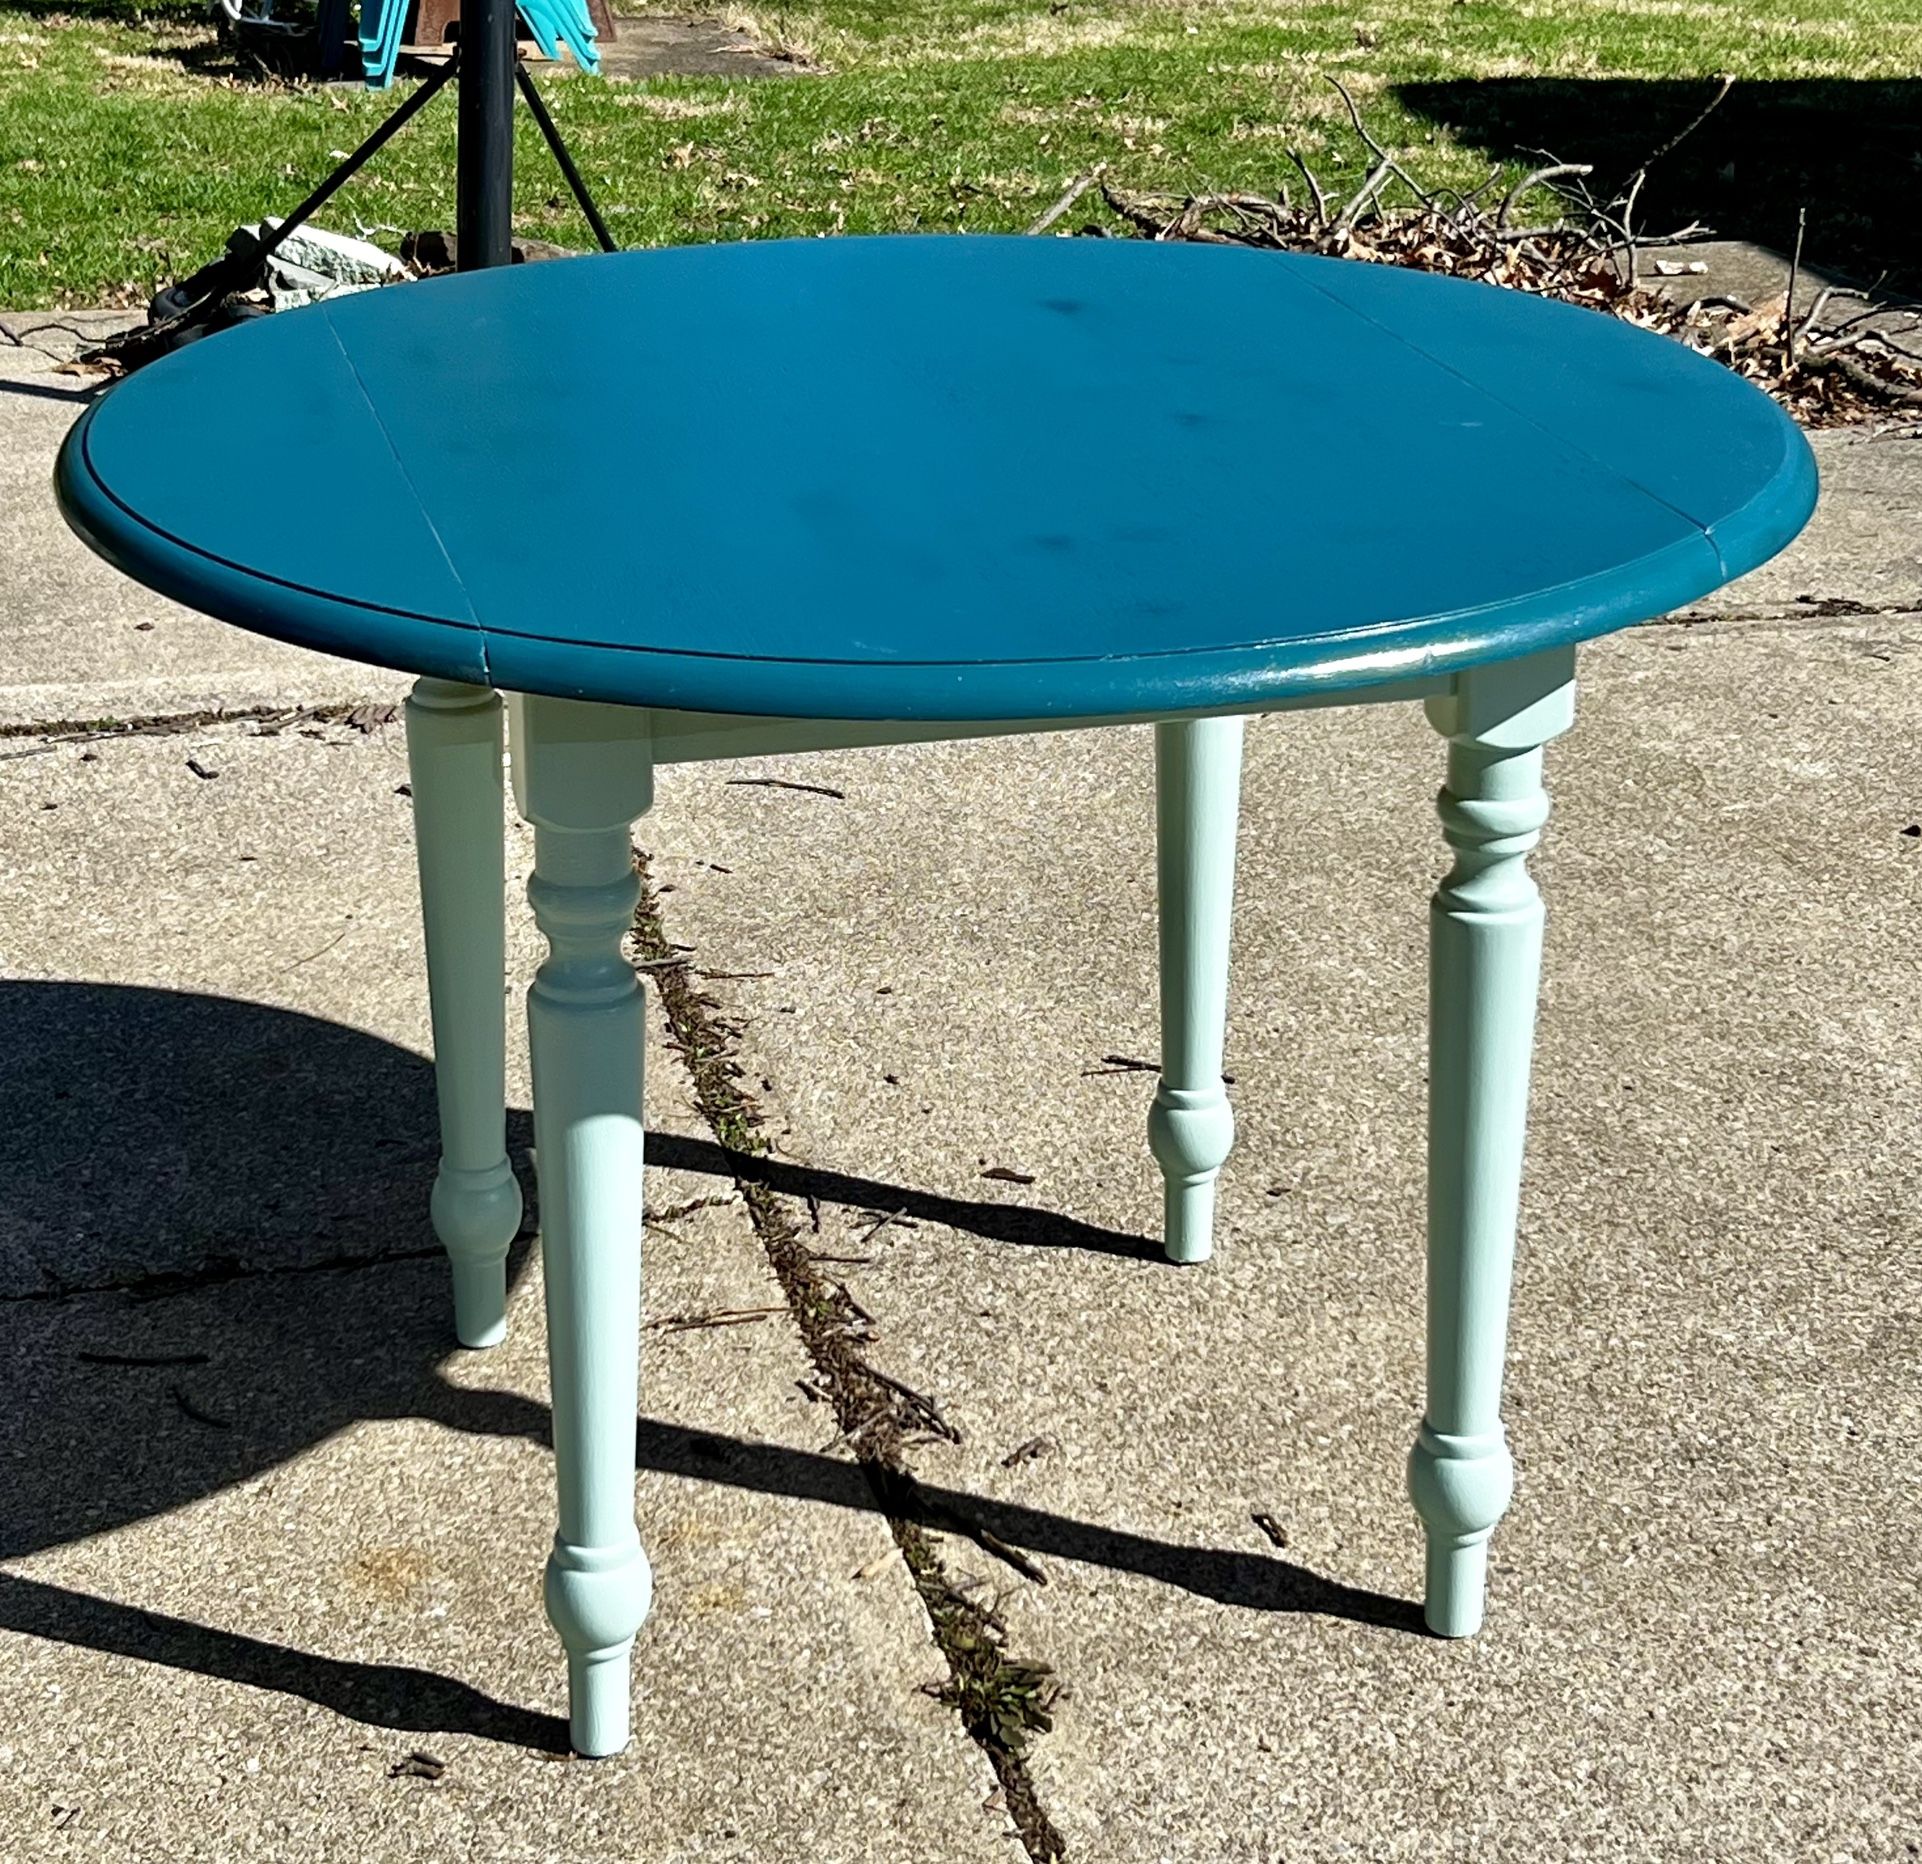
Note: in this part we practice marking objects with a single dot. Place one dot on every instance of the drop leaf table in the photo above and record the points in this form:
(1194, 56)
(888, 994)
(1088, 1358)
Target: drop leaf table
(862, 491)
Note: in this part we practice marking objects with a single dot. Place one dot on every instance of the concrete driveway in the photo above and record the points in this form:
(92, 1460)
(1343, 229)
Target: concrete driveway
(270, 1546)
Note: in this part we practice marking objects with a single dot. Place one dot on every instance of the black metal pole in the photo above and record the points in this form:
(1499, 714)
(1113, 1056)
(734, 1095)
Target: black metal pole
(484, 182)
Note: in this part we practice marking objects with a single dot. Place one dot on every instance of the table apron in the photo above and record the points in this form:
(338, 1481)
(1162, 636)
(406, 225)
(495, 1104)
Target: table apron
(703, 737)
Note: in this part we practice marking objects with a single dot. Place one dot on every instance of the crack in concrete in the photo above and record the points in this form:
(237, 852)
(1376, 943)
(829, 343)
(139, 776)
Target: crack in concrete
(218, 1272)
(1803, 608)
(1896, 430)
(1002, 1701)
(364, 714)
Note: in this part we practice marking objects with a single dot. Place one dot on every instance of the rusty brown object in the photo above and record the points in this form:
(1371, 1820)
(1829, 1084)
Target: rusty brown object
(432, 250)
(435, 25)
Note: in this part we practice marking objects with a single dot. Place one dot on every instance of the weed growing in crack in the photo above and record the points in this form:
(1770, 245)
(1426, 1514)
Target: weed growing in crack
(1003, 1702)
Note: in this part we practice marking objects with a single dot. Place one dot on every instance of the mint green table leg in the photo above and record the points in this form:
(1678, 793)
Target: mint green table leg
(1190, 1126)
(1485, 931)
(582, 774)
(454, 760)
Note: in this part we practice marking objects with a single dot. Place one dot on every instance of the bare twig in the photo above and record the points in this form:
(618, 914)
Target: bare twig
(1795, 273)
(920, 1400)
(994, 1544)
(1123, 1064)
(1682, 135)
(1494, 176)
(854, 1307)
(1363, 195)
(782, 783)
(319, 951)
(1069, 195)
(717, 1317)
(1536, 178)
(1314, 186)
(1354, 116)
(1027, 1452)
(1628, 219)
(875, 1228)
(845, 1439)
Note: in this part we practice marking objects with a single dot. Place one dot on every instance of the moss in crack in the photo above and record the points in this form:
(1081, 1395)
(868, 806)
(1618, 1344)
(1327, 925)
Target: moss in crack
(1002, 1701)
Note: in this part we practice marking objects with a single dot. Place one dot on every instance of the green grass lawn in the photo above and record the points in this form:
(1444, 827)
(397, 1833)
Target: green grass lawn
(130, 145)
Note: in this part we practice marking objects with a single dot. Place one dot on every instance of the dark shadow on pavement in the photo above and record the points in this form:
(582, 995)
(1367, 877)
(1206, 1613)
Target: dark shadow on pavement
(382, 1695)
(152, 1140)
(213, 1230)
(39, 391)
(1026, 1225)
(239, 1195)
(1253, 1581)
(1848, 150)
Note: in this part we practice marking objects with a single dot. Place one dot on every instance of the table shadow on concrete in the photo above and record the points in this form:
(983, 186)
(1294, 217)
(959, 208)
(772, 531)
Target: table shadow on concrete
(1227, 1576)
(182, 1145)
(165, 1119)
(379, 1695)
(40, 391)
(1028, 1226)
(156, 1140)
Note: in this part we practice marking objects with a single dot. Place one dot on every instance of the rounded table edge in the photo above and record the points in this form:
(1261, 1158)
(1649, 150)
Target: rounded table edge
(211, 586)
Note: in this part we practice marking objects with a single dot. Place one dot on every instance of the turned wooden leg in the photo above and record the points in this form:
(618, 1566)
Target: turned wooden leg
(582, 774)
(1485, 930)
(1190, 1126)
(454, 759)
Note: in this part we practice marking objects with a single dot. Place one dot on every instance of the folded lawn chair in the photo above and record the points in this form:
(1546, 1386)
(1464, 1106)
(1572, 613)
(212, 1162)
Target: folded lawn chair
(549, 23)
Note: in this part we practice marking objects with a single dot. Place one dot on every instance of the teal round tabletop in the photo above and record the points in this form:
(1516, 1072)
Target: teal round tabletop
(936, 478)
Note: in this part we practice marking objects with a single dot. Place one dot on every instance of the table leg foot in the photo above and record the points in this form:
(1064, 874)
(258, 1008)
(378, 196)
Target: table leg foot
(476, 1216)
(582, 775)
(1191, 1127)
(454, 761)
(1457, 1581)
(1485, 941)
(1188, 1220)
(590, 1593)
(1461, 1488)
(598, 1686)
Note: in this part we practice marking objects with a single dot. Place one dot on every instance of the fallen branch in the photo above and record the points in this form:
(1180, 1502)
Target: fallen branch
(1825, 370)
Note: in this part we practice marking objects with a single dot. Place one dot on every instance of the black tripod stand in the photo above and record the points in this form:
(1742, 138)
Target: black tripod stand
(487, 62)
